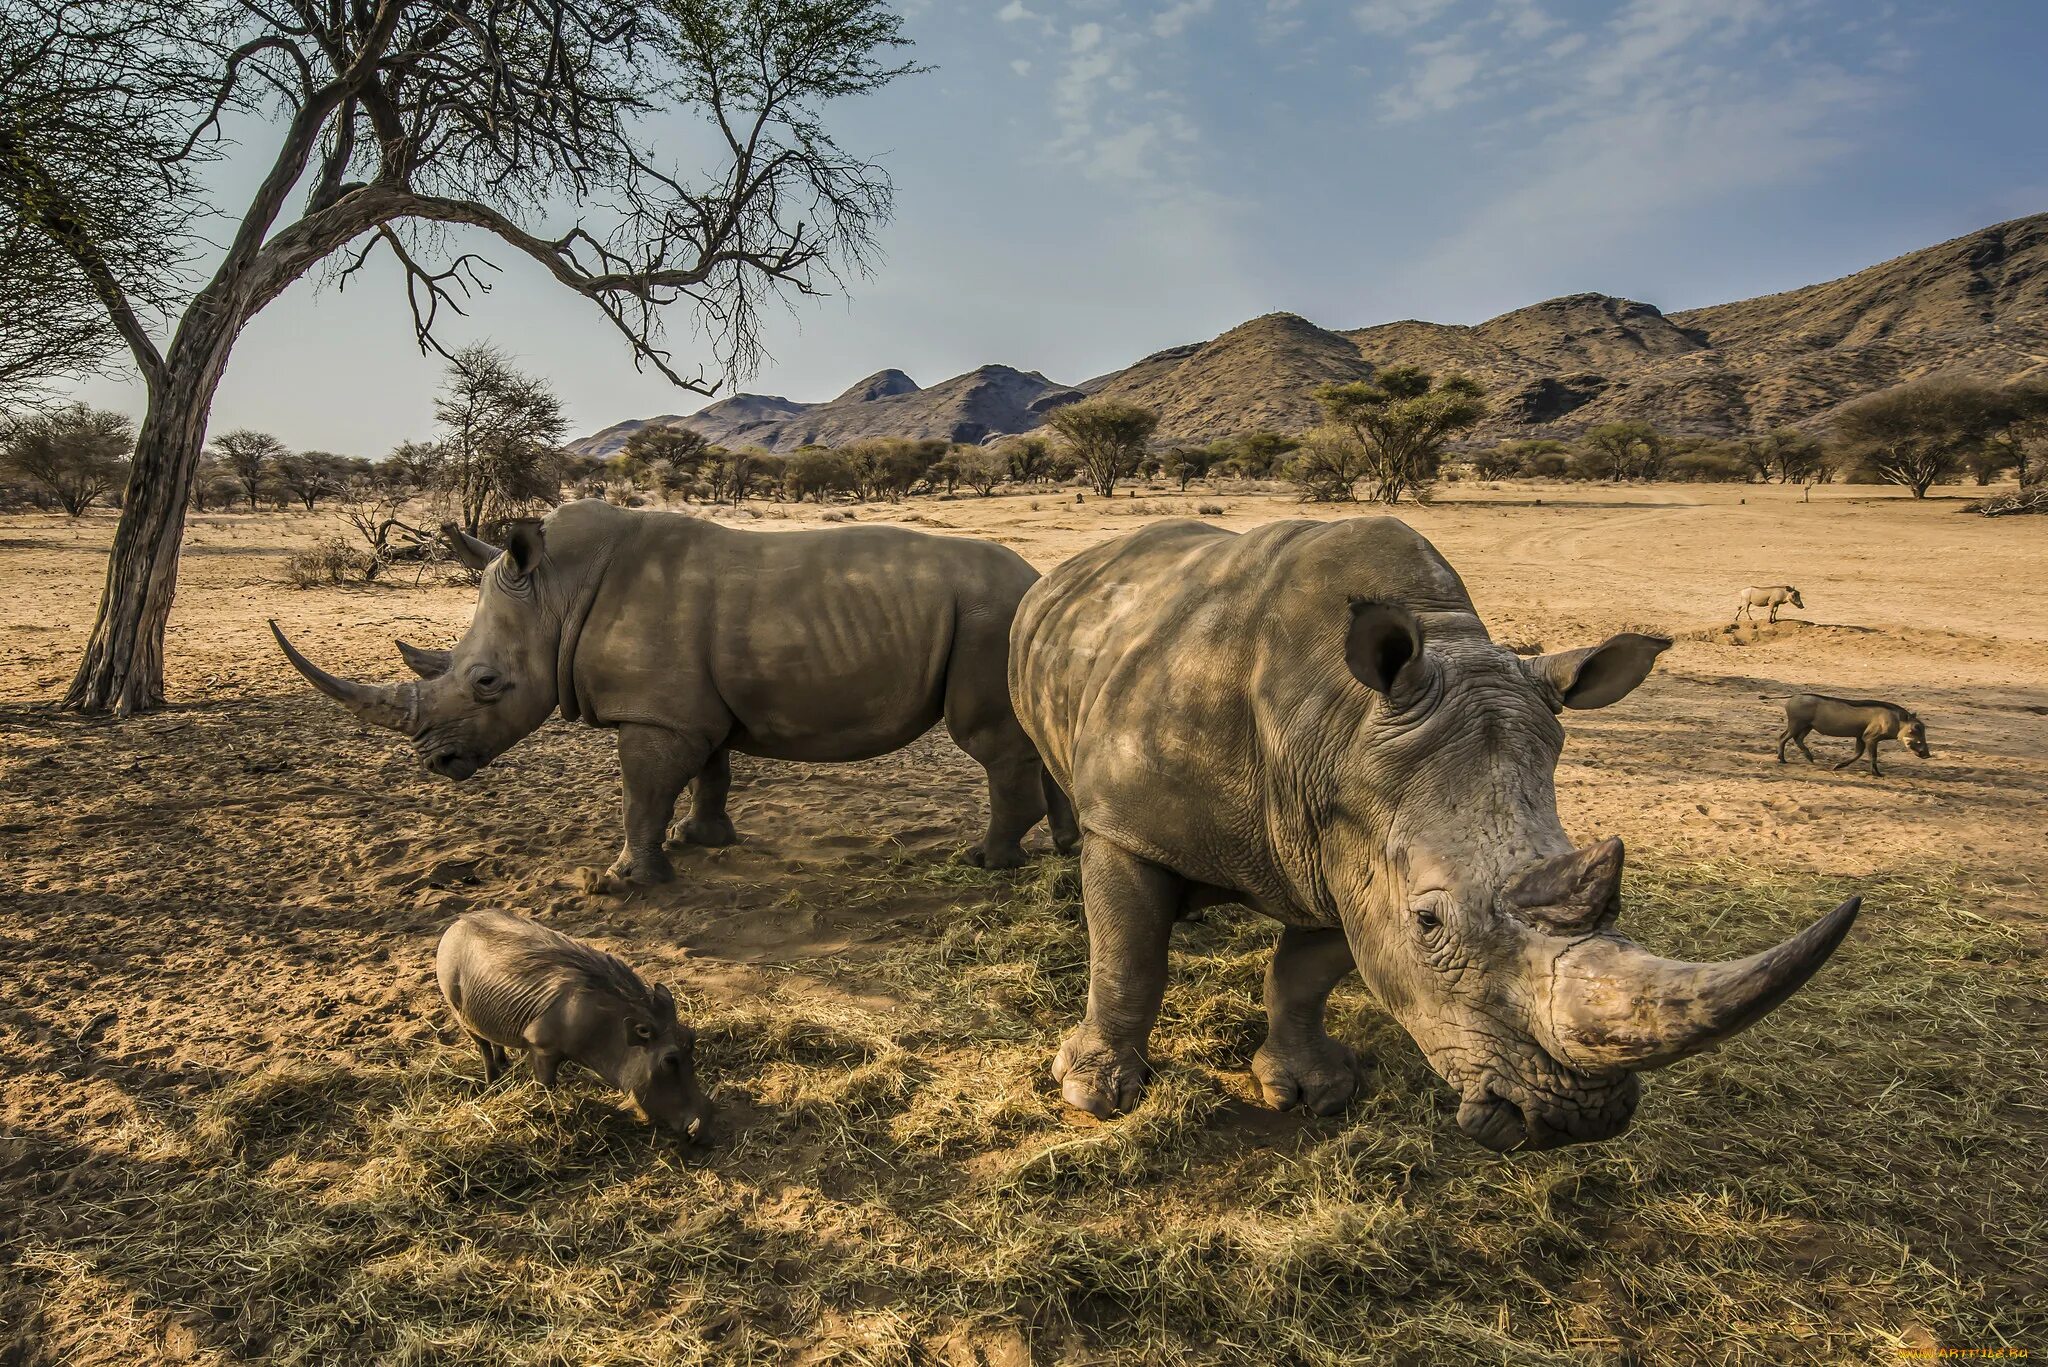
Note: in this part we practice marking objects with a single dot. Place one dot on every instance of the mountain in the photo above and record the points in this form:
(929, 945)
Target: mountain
(1976, 305)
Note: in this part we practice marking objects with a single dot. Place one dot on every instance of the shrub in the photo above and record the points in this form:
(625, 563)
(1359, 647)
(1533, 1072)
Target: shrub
(330, 562)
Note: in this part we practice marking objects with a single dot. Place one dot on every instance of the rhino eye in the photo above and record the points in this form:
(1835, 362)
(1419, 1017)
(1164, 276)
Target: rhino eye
(486, 684)
(1428, 919)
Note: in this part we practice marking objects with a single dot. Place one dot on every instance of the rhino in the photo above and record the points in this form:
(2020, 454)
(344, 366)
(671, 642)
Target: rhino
(694, 641)
(1311, 720)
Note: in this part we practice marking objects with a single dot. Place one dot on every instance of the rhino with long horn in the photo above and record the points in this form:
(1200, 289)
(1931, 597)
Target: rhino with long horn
(695, 640)
(1311, 720)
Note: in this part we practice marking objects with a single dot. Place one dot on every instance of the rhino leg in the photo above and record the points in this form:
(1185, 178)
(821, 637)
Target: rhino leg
(708, 823)
(981, 721)
(656, 764)
(1059, 813)
(1015, 802)
(1299, 1064)
(1131, 906)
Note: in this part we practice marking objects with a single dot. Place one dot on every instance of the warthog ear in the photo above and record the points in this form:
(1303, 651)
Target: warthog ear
(664, 999)
(1384, 642)
(523, 546)
(1602, 674)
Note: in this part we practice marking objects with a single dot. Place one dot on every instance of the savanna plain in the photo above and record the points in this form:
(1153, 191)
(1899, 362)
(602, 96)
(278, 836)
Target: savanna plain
(237, 1126)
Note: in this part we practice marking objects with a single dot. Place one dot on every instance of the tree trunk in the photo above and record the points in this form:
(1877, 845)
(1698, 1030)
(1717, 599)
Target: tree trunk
(123, 668)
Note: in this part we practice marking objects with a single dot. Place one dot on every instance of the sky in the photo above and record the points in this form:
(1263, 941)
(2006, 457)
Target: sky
(1082, 182)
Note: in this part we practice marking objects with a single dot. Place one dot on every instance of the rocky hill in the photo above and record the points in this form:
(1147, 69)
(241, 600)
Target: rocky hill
(1976, 305)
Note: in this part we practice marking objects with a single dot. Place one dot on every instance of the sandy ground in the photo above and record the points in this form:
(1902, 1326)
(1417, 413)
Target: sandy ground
(250, 873)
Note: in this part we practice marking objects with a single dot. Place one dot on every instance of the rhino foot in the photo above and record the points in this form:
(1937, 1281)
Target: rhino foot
(645, 869)
(714, 831)
(1321, 1077)
(1010, 858)
(1097, 1077)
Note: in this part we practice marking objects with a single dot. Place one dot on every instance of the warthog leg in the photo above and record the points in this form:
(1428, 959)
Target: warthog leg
(1131, 906)
(494, 1059)
(1853, 758)
(1299, 1064)
(708, 823)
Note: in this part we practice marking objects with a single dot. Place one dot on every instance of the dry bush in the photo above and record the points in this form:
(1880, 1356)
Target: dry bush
(2033, 500)
(333, 561)
(1209, 509)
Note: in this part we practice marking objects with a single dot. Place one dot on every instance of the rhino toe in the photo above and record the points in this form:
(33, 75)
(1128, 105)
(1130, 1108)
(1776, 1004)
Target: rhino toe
(1321, 1079)
(714, 832)
(1099, 1079)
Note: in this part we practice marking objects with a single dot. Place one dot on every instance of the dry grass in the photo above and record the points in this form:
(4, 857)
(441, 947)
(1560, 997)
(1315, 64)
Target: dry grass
(1858, 1175)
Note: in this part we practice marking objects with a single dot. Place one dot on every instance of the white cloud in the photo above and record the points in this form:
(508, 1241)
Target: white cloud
(1170, 21)
(1085, 37)
(1022, 66)
(1014, 12)
(1397, 16)
(1441, 81)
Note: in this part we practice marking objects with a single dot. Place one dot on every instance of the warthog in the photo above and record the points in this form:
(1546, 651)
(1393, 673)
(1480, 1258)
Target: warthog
(1867, 720)
(515, 984)
(1773, 597)
(1310, 719)
(695, 640)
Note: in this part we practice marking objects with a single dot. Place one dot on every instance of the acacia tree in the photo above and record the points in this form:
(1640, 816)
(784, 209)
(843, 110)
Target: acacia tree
(1631, 449)
(1401, 419)
(501, 437)
(76, 454)
(1920, 434)
(394, 124)
(1106, 436)
(248, 457)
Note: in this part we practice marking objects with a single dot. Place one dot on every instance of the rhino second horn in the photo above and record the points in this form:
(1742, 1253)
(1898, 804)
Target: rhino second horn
(395, 709)
(473, 554)
(428, 664)
(1576, 891)
(1615, 1005)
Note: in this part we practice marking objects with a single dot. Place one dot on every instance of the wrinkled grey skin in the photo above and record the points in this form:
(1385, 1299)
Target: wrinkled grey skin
(515, 984)
(1310, 719)
(1773, 596)
(696, 640)
(1868, 721)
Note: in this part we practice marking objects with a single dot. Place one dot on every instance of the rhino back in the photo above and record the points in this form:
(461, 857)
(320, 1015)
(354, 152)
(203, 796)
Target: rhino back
(1188, 685)
(820, 645)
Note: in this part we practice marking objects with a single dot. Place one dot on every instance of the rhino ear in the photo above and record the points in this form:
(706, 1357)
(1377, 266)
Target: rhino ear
(1602, 674)
(1383, 645)
(523, 547)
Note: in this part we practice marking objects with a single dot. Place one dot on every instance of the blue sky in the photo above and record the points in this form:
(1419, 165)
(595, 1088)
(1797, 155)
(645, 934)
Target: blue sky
(1081, 182)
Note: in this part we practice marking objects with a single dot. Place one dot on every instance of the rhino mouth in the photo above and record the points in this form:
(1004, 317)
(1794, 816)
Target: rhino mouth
(1506, 1117)
(453, 764)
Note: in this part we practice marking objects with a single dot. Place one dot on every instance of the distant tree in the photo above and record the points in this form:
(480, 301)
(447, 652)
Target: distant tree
(680, 450)
(1328, 462)
(76, 454)
(1186, 464)
(1402, 419)
(1921, 434)
(1252, 455)
(945, 471)
(2022, 432)
(501, 437)
(815, 471)
(1503, 460)
(310, 476)
(1030, 458)
(249, 457)
(1785, 454)
(886, 467)
(757, 468)
(1621, 451)
(1106, 437)
(1710, 462)
(982, 468)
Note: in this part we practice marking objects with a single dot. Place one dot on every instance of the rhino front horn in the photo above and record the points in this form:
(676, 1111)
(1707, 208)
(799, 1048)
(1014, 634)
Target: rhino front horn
(395, 709)
(1615, 1005)
(473, 554)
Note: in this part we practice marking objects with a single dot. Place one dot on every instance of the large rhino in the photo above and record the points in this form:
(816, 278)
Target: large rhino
(695, 640)
(1310, 719)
